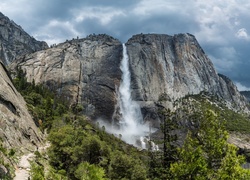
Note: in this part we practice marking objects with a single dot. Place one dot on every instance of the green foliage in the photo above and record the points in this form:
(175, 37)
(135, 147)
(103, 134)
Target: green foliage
(206, 153)
(80, 150)
(80, 147)
(192, 164)
(56, 175)
(37, 172)
(42, 103)
(77, 109)
(234, 121)
(124, 167)
(160, 161)
(4, 155)
(231, 166)
(86, 171)
(2, 148)
(11, 152)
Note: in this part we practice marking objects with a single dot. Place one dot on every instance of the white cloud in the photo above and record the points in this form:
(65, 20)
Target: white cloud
(103, 14)
(242, 34)
(216, 20)
(147, 7)
(242, 87)
(220, 26)
(64, 30)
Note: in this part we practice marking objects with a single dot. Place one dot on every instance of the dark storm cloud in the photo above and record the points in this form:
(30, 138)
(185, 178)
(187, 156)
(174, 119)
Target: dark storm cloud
(222, 29)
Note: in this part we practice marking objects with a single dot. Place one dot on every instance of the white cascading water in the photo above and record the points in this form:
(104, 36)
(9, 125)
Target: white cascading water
(131, 123)
(131, 126)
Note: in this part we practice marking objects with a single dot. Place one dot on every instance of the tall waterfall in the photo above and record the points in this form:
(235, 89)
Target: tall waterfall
(131, 122)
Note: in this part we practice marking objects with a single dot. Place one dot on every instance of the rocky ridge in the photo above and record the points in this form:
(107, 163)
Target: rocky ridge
(14, 41)
(163, 69)
(84, 71)
(17, 129)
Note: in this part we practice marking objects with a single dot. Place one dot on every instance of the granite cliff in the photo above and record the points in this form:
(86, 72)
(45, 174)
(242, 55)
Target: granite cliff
(87, 73)
(17, 129)
(84, 71)
(163, 69)
(18, 132)
(14, 41)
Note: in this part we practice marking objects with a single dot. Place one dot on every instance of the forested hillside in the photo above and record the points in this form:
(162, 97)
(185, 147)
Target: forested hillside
(80, 149)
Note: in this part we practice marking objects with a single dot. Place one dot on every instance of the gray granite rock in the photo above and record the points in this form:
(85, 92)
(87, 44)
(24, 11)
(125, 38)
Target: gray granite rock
(17, 128)
(85, 71)
(14, 41)
(165, 68)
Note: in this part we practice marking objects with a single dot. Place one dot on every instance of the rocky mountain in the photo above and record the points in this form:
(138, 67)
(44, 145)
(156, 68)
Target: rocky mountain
(14, 41)
(246, 94)
(17, 129)
(163, 69)
(84, 71)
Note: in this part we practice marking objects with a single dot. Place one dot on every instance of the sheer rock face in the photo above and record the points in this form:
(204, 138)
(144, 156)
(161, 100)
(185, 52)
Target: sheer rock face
(85, 71)
(165, 68)
(14, 41)
(17, 129)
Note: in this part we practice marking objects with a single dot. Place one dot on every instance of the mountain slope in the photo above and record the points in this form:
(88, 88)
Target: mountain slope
(167, 68)
(163, 68)
(17, 128)
(84, 71)
(14, 41)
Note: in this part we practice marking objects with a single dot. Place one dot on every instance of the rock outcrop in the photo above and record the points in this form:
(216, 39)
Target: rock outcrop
(246, 94)
(17, 129)
(85, 71)
(14, 41)
(165, 68)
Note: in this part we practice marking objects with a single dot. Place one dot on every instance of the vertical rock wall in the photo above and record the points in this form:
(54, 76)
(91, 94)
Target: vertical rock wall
(165, 68)
(17, 129)
(14, 41)
(85, 71)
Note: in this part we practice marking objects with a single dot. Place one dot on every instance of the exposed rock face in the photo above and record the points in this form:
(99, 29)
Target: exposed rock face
(167, 68)
(86, 71)
(246, 94)
(163, 69)
(14, 41)
(17, 129)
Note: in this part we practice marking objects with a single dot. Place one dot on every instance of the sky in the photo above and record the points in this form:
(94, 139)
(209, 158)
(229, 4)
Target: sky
(221, 26)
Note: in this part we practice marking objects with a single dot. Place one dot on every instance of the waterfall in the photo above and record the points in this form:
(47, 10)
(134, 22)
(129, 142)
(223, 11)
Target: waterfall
(130, 126)
(131, 122)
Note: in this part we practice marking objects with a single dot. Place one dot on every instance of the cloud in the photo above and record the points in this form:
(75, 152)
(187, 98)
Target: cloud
(242, 87)
(64, 30)
(104, 14)
(242, 34)
(220, 28)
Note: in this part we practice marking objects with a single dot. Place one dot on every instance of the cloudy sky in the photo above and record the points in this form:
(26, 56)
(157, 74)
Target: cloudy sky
(221, 26)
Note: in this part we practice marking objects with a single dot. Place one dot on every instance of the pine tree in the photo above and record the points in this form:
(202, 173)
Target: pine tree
(160, 161)
(207, 155)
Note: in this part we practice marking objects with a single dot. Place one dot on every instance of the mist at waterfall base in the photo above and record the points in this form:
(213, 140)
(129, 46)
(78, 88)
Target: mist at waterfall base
(130, 126)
